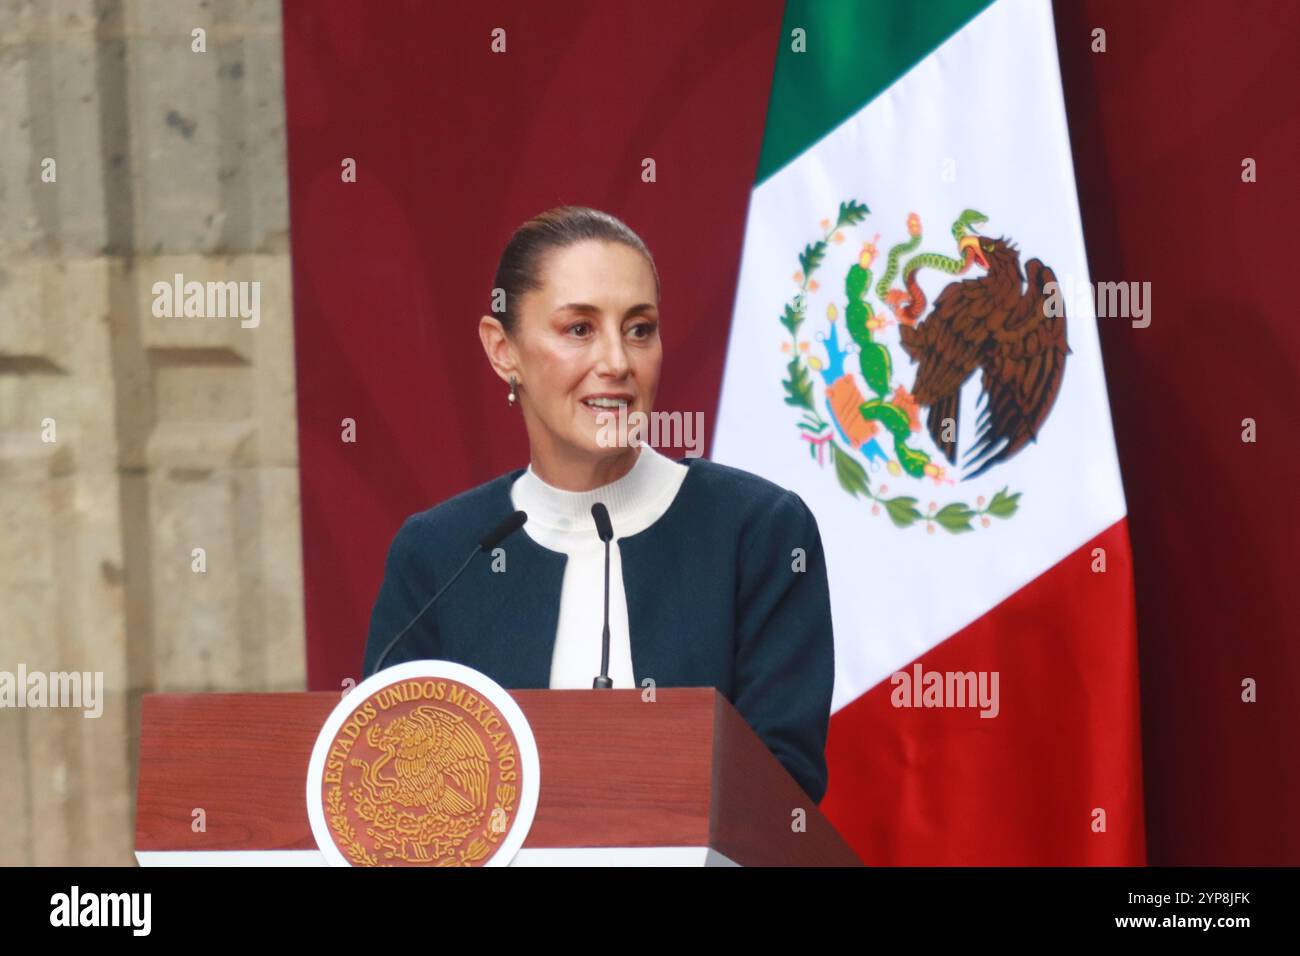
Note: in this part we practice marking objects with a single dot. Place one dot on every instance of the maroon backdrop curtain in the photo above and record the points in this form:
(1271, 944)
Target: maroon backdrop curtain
(455, 146)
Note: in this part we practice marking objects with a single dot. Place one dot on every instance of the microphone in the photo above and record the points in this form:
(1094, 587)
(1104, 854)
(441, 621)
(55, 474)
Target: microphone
(606, 532)
(509, 526)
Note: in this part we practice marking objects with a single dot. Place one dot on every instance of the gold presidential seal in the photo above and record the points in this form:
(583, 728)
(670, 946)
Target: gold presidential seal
(424, 764)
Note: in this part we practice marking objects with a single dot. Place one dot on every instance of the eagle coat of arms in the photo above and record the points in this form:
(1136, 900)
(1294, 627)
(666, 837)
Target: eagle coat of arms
(1003, 322)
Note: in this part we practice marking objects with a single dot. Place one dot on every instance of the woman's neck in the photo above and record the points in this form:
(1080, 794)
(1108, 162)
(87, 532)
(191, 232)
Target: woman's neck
(582, 474)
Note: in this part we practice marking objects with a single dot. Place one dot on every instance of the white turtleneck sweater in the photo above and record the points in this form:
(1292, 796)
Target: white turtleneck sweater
(561, 521)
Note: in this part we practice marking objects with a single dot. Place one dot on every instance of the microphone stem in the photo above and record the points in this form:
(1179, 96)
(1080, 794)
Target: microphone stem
(604, 643)
(393, 643)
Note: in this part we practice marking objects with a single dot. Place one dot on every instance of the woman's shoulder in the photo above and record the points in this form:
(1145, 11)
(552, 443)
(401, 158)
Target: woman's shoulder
(466, 516)
(740, 492)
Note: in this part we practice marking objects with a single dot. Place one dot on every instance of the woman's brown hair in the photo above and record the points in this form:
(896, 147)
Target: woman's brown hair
(522, 261)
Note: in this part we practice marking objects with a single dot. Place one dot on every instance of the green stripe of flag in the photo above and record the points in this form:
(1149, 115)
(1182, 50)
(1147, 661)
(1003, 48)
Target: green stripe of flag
(855, 50)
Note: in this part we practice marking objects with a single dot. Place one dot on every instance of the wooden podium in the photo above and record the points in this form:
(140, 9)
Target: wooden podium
(682, 781)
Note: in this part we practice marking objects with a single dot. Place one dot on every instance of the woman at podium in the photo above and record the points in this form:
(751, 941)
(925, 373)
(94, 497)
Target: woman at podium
(716, 576)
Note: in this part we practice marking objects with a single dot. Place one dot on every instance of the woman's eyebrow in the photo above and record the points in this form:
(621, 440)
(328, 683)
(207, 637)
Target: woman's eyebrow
(584, 308)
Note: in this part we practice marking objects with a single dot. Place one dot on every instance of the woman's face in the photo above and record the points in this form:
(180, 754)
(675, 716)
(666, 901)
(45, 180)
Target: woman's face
(591, 332)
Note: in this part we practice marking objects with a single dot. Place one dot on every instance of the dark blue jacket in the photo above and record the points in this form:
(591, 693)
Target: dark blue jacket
(717, 595)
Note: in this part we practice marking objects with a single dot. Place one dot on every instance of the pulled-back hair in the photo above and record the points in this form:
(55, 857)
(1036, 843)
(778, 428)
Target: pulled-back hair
(522, 261)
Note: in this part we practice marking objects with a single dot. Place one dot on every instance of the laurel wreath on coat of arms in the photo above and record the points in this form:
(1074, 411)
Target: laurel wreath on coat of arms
(986, 323)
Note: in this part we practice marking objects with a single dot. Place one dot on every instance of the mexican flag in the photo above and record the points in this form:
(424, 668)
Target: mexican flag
(911, 355)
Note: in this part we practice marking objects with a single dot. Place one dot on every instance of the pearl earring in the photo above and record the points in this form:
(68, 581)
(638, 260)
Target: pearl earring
(511, 397)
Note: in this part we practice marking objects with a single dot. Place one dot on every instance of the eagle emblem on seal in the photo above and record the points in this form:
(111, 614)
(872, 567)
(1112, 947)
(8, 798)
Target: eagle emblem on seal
(427, 790)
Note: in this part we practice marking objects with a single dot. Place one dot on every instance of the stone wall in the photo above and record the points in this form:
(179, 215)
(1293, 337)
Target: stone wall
(127, 439)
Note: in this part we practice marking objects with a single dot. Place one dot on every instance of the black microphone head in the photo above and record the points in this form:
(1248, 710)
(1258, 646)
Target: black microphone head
(505, 529)
(603, 527)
